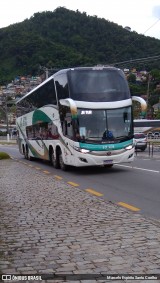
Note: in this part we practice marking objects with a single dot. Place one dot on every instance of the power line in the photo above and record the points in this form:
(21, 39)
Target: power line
(137, 60)
(137, 38)
(152, 26)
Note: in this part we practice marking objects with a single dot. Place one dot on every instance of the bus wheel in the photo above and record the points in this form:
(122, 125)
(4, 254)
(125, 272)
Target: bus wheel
(54, 160)
(63, 166)
(27, 155)
(24, 152)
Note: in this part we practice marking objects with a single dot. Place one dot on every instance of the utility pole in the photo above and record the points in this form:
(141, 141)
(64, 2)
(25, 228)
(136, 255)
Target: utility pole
(47, 70)
(6, 112)
(148, 86)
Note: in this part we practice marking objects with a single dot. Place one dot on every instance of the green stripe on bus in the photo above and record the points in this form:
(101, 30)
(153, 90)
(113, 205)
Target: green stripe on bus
(102, 147)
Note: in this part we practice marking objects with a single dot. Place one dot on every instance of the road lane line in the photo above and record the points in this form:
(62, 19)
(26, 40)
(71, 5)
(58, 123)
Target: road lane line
(148, 170)
(93, 192)
(58, 177)
(138, 168)
(130, 207)
(73, 184)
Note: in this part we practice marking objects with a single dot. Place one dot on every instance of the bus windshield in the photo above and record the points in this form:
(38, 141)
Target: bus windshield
(110, 126)
(98, 85)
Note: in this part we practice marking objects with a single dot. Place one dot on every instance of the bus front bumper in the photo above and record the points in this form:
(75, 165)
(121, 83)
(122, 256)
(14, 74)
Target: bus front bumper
(90, 159)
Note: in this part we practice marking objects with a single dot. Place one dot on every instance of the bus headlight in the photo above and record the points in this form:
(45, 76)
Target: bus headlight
(129, 147)
(82, 150)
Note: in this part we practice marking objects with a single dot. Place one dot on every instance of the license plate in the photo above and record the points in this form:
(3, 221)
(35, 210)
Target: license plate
(108, 161)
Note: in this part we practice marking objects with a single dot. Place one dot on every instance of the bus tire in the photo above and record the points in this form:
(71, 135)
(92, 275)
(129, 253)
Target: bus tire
(63, 166)
(27, 155)
(53, 159)
(24, 151)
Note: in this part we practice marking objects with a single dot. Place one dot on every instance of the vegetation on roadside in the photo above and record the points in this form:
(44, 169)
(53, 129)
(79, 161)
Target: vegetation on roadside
(4, 155)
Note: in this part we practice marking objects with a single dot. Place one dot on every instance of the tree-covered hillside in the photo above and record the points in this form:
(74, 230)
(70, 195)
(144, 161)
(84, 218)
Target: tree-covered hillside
(65, 38)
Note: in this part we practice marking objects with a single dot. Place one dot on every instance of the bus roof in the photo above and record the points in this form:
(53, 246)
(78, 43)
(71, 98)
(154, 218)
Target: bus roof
(64, 71)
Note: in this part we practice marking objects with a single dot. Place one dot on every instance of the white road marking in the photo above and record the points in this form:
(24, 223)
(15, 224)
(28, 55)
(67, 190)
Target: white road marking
(138, 168)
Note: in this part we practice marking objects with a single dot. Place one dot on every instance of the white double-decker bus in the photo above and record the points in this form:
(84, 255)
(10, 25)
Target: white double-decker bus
(79, 117)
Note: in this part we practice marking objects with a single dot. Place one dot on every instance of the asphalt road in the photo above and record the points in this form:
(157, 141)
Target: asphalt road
(134, 185)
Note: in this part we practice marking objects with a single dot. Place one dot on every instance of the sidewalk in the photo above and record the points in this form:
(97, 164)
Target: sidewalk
(11, 141)
(48, 226)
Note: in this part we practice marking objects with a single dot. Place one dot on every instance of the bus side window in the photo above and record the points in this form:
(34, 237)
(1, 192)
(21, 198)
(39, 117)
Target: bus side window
(69, 129)
(62, 86)
(66, 121)
(52, 131)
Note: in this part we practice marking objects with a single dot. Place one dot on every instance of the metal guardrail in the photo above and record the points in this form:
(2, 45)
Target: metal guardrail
(153, 148)
(154, 138)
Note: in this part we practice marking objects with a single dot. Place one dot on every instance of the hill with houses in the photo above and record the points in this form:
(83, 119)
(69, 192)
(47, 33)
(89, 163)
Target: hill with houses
(69, 39)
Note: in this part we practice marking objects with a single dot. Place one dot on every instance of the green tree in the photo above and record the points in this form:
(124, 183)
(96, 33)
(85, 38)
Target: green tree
(157, 115)
(155, 73)
(68, 38)
(132, 78)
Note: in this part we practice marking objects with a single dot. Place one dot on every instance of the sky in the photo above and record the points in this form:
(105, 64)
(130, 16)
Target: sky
(142, 16)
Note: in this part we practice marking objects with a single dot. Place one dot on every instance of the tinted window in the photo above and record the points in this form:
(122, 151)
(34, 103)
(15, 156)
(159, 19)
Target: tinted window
(41, 131)
(66, 121)
(61, 83)
(45, 95)
(98, 85)
(42, 96)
